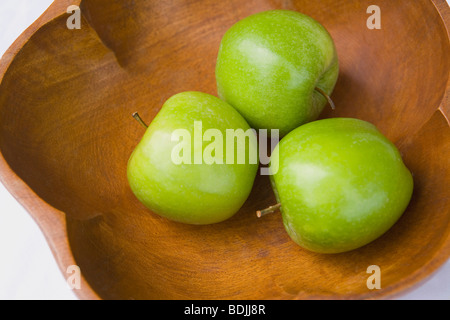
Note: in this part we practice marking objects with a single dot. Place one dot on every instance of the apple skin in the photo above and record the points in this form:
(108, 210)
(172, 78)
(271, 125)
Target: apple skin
(341, 184)
(269, 65)
(189, 193)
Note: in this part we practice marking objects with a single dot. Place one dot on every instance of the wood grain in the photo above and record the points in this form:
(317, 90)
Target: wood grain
(66, 133)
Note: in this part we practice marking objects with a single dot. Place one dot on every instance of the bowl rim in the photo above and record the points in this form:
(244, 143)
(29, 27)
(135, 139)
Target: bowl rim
(52, 222)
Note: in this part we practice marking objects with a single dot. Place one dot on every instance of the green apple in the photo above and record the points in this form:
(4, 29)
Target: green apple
(276, 68)
(341, 184)
(197, 190)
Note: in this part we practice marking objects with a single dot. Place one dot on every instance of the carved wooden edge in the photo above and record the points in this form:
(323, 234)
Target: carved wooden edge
(421, 275)
(52, 222)
(415, 279)
(444, 11)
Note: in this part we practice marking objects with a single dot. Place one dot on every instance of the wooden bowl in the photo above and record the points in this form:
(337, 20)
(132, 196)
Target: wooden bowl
(66, 133)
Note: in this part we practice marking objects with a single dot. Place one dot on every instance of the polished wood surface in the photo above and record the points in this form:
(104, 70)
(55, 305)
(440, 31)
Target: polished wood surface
(66, 133)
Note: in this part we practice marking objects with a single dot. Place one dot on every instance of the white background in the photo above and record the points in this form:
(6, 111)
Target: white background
(27, 267)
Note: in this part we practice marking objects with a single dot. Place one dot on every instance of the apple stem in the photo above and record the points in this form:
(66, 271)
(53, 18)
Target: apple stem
(268, 210)
(139, 119)
(323, 93)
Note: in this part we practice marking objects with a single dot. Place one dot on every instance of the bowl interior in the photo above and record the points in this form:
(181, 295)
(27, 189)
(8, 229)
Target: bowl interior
(66, 130)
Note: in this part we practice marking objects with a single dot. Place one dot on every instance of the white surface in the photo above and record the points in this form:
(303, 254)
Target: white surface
(28, 269)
